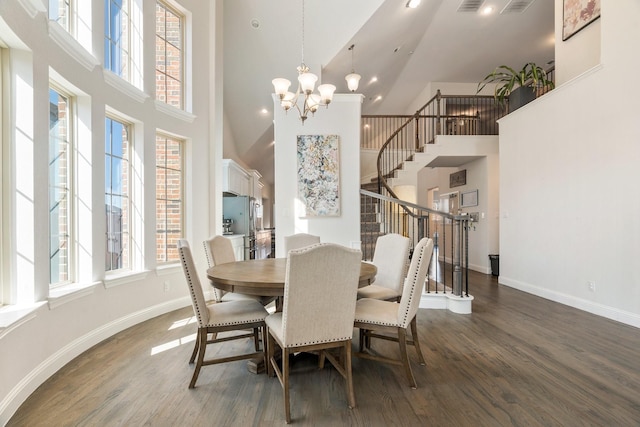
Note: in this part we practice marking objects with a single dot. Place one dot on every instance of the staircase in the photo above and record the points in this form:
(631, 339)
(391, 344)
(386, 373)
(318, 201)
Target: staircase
(434, 134)
(447, 287)
(370, 226)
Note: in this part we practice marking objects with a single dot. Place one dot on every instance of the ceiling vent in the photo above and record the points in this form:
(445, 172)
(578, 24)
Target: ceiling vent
(470, 5)
(517, 6)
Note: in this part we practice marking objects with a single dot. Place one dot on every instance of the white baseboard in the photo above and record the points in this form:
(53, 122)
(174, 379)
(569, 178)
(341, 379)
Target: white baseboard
(53, 363)
(631, 319)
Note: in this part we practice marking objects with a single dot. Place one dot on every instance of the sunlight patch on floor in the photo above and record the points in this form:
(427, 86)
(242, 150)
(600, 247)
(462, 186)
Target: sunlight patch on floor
(172, 344)
(182, 322)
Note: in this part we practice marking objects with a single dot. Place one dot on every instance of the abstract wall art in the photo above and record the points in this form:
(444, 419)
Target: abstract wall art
(319, 174)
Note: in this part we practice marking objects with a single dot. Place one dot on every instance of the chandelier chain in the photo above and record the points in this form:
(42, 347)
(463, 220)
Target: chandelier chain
(303, 31)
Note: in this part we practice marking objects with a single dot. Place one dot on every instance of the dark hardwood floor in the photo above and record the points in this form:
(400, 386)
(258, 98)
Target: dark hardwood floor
(518, 360)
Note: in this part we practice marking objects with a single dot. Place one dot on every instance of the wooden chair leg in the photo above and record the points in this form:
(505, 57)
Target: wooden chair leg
(402, 340)
(263, 329)
(203, 347)
(271, 343)
(416, 342)
(285, 384)
(195, 347)
(321, 359)
(351, 396)
(256, 339)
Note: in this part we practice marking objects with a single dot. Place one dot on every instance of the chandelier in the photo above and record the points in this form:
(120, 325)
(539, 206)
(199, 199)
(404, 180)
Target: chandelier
(306, 83)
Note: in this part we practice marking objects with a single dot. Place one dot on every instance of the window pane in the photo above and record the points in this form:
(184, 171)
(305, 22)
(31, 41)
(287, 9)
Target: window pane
(174, 62)
(160, 20)
(117, 195)
(161, 87)
(116, 33)
(59, 188)
(59, 11)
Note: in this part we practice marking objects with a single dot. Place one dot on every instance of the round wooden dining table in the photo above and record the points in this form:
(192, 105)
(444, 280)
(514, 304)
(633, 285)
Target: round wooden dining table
(264, 277)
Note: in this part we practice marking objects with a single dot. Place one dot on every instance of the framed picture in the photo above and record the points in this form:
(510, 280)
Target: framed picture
(469, 198)
(457, 179)
(319, 174)
(577, 14)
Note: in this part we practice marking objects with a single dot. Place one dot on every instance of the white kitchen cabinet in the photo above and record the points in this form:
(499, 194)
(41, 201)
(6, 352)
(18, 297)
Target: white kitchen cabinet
(237, 241)
(235, 179)
(256, 186)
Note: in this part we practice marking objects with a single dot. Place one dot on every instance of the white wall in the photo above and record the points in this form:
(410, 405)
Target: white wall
(342, 118)
(57, 330)
(568, 181)
(482, 175)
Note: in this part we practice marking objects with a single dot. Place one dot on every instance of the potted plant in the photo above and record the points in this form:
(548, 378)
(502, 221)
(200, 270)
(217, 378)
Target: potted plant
(519, 86)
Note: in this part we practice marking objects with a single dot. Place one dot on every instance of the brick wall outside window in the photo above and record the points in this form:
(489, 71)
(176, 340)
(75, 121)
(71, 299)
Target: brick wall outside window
(169, 197)
(169, 56)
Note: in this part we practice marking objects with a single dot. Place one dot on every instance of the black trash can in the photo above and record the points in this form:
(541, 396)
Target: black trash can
(495, 264)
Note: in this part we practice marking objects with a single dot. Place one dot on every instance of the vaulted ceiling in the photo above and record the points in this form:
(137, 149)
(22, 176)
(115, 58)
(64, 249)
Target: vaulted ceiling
(405, 49)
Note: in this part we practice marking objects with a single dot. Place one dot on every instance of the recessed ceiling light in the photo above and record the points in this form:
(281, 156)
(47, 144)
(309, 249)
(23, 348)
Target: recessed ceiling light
(373, 79)
(487, 10)
(378, 98)
(413, 3)
(264, 111)
(255, 23)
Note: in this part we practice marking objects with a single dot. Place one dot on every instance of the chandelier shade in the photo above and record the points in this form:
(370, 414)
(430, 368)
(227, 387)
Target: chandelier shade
(352, 81)
(353, 78)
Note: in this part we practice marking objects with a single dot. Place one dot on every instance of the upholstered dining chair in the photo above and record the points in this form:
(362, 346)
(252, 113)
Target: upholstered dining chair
(391, 320)
(299, 240)
(319, 301)
(391, 257)
(220, 317)
(219, 250)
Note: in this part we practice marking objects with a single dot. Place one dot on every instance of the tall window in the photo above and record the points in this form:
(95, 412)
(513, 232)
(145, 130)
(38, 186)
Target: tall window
(117, 28)
(169, 55)
(60, 187)
(117, 194)
(169, 197)
(59, 11)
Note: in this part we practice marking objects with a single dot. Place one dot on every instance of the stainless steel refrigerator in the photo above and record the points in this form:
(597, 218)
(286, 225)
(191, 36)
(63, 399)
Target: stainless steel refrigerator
(241, 210)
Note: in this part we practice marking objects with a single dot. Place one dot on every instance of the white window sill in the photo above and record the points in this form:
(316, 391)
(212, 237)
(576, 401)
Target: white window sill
(124, 86)
(116, 279)
(70, 45)
(63, 294)
(12, 316)
(175, 112)
(167, 269)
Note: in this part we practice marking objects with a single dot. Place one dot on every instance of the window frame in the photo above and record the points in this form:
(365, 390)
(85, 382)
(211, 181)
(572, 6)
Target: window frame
(70, 26)
(134, 31)
(182, 144)
(183, 22)
(71, 191)
(109, 40)
(129, 195)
